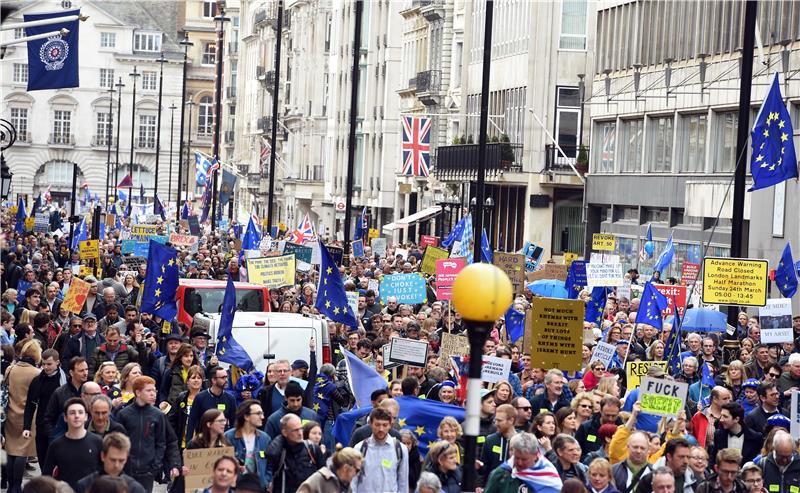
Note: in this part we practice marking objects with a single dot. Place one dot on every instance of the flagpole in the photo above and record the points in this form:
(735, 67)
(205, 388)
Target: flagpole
(351, 147)
(108, 136)
(220, 20)
(134, 75)
(158, 124)
(186, 44)
(119, 85)
(274, 129)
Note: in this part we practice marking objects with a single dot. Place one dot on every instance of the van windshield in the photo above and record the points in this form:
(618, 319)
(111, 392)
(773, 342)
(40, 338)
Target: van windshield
(209, 300)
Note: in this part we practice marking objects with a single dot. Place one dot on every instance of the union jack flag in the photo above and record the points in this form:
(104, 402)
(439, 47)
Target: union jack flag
(304, 232)
(214, 166)
(264, 157)
(416, 145)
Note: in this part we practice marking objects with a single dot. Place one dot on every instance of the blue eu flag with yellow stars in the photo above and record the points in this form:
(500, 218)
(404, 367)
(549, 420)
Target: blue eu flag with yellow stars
(515, 323)
(161, 282)
(650, 306)
(596, 305)
(331, 298)
(228, 350)
(785, 275)
(774, 159)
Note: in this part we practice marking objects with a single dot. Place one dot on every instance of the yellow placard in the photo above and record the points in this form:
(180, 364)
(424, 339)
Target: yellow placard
(76, 295)
(30, 222)
(569, 257)
(557, 340)
(603, 242)
(735, 281)
(13, 210)
(90, 249)
(200, 463)
(272, 272)
(635, 370)
(142, 232)
(85, 271)
(373, 233)
(432, 254)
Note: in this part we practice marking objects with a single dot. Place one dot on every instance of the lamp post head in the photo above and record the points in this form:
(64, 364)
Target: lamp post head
(482, 293)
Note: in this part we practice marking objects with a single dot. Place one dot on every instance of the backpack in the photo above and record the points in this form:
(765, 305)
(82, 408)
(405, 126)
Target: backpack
(397, 449)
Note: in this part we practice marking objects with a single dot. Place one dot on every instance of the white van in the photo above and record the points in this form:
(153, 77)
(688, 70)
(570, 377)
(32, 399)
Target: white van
(272, 336)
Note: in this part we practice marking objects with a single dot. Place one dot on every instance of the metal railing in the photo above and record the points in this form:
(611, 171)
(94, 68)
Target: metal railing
(555, 161)
(428, 81)
(102, 140)
(456, 162)
(145, 143)
(61, 139)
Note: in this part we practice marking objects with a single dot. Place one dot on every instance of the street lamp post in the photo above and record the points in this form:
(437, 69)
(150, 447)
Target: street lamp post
(158, 124)
(119, 85)
(274, 130)
(220, 20)
(172, 109)
(481, 294)
(134, 76)
(190, 103)
(484, 122)
(186, 44)
(108, 137)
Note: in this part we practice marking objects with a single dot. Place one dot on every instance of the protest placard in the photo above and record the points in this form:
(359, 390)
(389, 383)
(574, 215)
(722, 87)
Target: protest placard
(549, 271)
(569, 258)
(385, 354)
(635, 370)
(352, 301)
(76, 295)
(604, 258)
(533, 255)
(30, 223)
(689, 272)
(200, 463)
(357, 248)
(85, 271)
(401, 252)
(426, 240)
(557, 340)
(373, 233)
(194, 225)
(272, 272)
(374, 285)
(451, 345)
(432, 254)
(183, 240)
(735, 281)
(90, 249)
(794, 416)
(604, 242)
(302, 253)
(599, 274)
(776, 321)
(603, 352)
(408, 288)
(111, 220)
(662, 397)
(513, 264)
(336, 254)
(674, 294)
(446, 271)
(409, 352)
(143, 232)
(379, 246)
(624, 291)
(494, 369)
(41, 222)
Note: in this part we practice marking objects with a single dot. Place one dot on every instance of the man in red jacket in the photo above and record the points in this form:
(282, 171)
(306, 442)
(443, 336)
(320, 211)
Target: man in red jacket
(703, 421)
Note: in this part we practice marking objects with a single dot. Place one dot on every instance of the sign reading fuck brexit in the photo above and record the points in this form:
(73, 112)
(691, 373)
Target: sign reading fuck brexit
(408, 288)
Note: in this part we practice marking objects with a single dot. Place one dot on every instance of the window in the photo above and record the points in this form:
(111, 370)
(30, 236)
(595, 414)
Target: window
(108, 40)
(149, 81)
(20, 73)
(147, 42)
(660, 132)
(147, 131)
(62, 126)
(693, 140)
(209, 8)
(106, 77)
(573, 25)
(209, 54)
(630, 214)
(604, 147)
(19, 118)
(59, 173)
(205, 117)
(656, 215)
(568, 117)
(726, 125)
(631, 140)
(104, 129)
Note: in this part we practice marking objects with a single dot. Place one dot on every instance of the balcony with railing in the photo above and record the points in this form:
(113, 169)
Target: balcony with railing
(23, 138)
(431, 10)
(145, 143)
(460, 162)
(560, 163)
(428, 85)
(263, 18)
(61, 139)
(103, 140)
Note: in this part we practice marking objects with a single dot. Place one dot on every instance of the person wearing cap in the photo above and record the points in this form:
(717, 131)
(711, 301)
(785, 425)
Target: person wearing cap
(200, 339)
(292, 404)
(732, 433)
(86, 341)
(749, 398)
(488, 407)
(248, 483)
(300, 369)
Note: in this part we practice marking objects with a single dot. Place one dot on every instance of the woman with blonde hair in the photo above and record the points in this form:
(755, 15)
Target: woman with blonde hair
(129, 373)
(503, 393)
(18, 377)
(450, 431)
(108, 378)
(442, 460)
(655, 351)
(600, 477)
(583, 406)
(608, 385)
(733, 378)
(336, 477)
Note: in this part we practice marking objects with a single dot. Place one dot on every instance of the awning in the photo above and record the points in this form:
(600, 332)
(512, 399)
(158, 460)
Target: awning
(413, 218)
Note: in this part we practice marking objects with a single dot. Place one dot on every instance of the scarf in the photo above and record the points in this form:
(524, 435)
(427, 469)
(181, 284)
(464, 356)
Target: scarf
(542, 477)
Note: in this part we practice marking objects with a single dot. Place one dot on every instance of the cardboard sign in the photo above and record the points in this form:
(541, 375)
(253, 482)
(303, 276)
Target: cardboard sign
(200, 462)
(111, 220)
(194, 225)
(85, 270)
(513, 264)
(557, 340)
(183, 240)
(446, 272)
(662, 397)
(352, 301)
(401, 252)
(451, 345)
(379, 246)
(373, 233)
(495, 369)
(357, 248)
(90, 249)
(302, 253)
(336, 254)
(604, 242)
(776, 321)
(636, 370)
(689, 272)
(426, 240)
(408, 288)
(143, 232)
(432, 254)
(407, 352)
(603, 352)
(374, 285)
(549, 271)
(41, 223)
(674, 294)
(272, 272)
(76, 295)
(598, 275)
(735, 281)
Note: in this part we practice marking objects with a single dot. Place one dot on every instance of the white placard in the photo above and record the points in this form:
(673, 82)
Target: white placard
(598, 275)
(252, 253)
(664, 394)
(379, 246)
(352, 301)
(776, 321)
(624, 291)
(316, 253)
(495, 369)
(401, 252)
(604, 258)
(374, 285)
(407, 352)
(795, 416)
(603, 352)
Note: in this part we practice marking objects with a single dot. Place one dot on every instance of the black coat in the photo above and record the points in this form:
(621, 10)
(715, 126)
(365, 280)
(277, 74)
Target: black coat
(750, 448)
(588, 437)
(781, 482)
(292, 464)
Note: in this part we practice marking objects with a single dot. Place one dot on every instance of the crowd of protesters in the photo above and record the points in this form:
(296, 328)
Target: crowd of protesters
(108, 398)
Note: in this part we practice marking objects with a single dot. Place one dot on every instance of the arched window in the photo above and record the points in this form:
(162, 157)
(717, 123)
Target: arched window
(205, 118)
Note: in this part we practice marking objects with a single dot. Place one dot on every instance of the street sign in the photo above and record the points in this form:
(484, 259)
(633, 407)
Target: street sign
(735, 281)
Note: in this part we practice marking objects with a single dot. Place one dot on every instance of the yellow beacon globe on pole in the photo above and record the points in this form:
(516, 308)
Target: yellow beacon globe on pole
(482, 292)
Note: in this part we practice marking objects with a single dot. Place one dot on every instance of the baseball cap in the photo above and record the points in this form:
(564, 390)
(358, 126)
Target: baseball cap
(298, 363)
(90, 316)
(173, 337)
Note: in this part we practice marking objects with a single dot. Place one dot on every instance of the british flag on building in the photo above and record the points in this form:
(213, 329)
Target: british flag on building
(264, 157)
(416, 145)
(304, 232)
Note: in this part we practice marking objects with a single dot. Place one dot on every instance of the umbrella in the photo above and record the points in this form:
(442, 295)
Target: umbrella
(549, 288)
(704, 320)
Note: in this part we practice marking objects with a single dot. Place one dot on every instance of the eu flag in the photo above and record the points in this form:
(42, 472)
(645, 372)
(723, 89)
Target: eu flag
(21, 216)
(596, 305)
(228, 350)
(576, 278)
(773, 159)
(53, 61)
(515, 323)
(362, 227)
(363, 379)
(785, 275)
(707, 378)
(252, 237)
(80, 234)
(455, 233)
(161, 281)
(158, 208)
(331, 298)
(227, 186)
(666, 256)
(486, 249)
(185, 210)
(650, 306)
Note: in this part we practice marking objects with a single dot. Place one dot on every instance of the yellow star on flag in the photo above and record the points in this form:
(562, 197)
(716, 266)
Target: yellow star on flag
(781, 124)
(320, 396)
(158, 293)
(784, 137)
(420, 430)
(402, 422)
(336, 310)
(327, 303)
(315, 407)
(329, 270)
(163, 269)
(766, 133)
(171, 262)
(160, 279)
